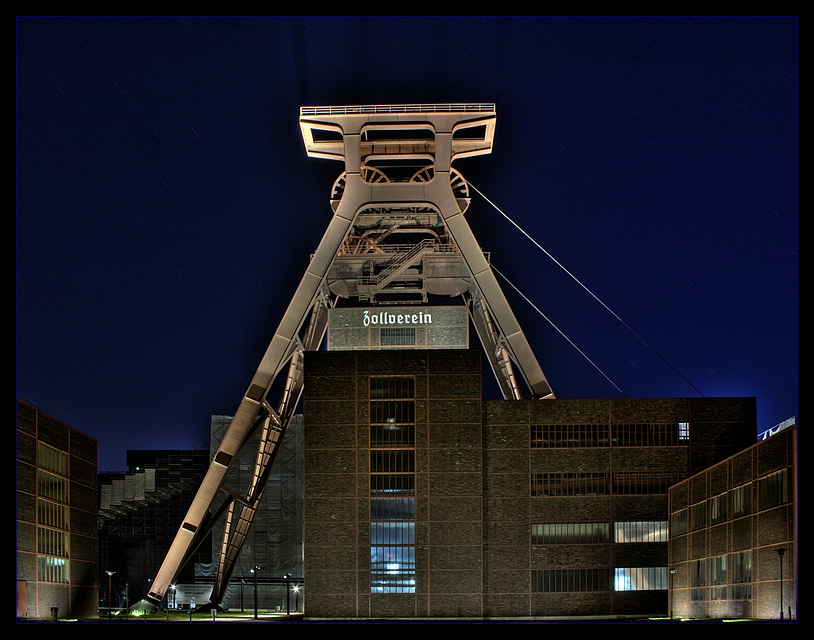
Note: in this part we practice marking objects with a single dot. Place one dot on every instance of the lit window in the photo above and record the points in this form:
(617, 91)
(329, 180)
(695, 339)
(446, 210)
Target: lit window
(639, 578)
(392, 484)
(640, 531)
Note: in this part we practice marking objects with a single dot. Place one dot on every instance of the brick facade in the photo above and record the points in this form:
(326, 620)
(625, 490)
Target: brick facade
(79, 596)
(474, 508)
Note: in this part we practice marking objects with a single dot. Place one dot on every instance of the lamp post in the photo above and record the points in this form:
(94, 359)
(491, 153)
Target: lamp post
(288, 594)
(672, 573)
(296, 599)
(170, 601)
(109, 593)
(255, 569)
(781, 553)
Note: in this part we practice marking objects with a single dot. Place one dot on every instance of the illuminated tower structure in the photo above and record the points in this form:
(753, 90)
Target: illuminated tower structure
(398, 183)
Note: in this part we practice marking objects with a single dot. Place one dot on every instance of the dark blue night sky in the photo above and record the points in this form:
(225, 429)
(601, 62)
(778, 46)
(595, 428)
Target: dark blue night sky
(166, 209)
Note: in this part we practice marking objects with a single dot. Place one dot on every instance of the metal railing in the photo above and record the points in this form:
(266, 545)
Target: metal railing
(399, 108)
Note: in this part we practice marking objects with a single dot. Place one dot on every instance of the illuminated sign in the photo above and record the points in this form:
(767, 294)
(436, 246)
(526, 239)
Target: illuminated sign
(360, 328)
(385, 317)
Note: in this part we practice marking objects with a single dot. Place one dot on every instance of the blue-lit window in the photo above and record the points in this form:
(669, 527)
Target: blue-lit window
(639, 578)
(392, 545)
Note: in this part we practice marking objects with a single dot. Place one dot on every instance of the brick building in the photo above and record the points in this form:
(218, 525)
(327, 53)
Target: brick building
(56, 518)
(422, 500)
(733, 532)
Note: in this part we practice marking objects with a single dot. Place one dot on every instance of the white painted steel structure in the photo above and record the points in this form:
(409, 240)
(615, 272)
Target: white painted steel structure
(398, 182)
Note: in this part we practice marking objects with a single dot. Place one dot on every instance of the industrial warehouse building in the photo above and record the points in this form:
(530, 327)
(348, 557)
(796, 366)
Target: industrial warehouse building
(422, 500)
(733, 533)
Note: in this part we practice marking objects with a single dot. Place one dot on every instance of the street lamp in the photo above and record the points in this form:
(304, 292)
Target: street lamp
(255, 569)
(672, 573)
(781, 553)
(287, 594)
(109, 593)
(296, 598)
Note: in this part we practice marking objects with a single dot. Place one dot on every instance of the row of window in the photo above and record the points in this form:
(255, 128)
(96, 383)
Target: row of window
(52, 514)
(617, 579)
(557, 436)
(392, 481)
(603, 483)
(773, 490)
(599, 532)
(724, 577)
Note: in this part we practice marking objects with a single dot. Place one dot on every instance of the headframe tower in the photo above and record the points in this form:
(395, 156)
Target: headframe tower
(398, 182)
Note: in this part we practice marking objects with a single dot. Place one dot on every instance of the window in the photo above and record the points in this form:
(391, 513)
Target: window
(698, 516)
(678, 523)
(717, 507)
(570, 533)
(774, 490)
(557, 436)
(52, 542)
(570, 580)
(717, 578)
(392, 387)
(740, 569)
(51, 514)
(599, 484)
(569, 484)
(639, 578)
(640, 531)
(392, 484)
(742, 501)
(649, 435)
(51, 486)
(397, 336)
(52, 459)
(391, 412)
(698, 576)
(645, 482)
(52, 569)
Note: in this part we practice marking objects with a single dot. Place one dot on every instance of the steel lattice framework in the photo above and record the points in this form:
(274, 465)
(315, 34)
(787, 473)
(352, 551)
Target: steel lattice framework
(398, 182)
